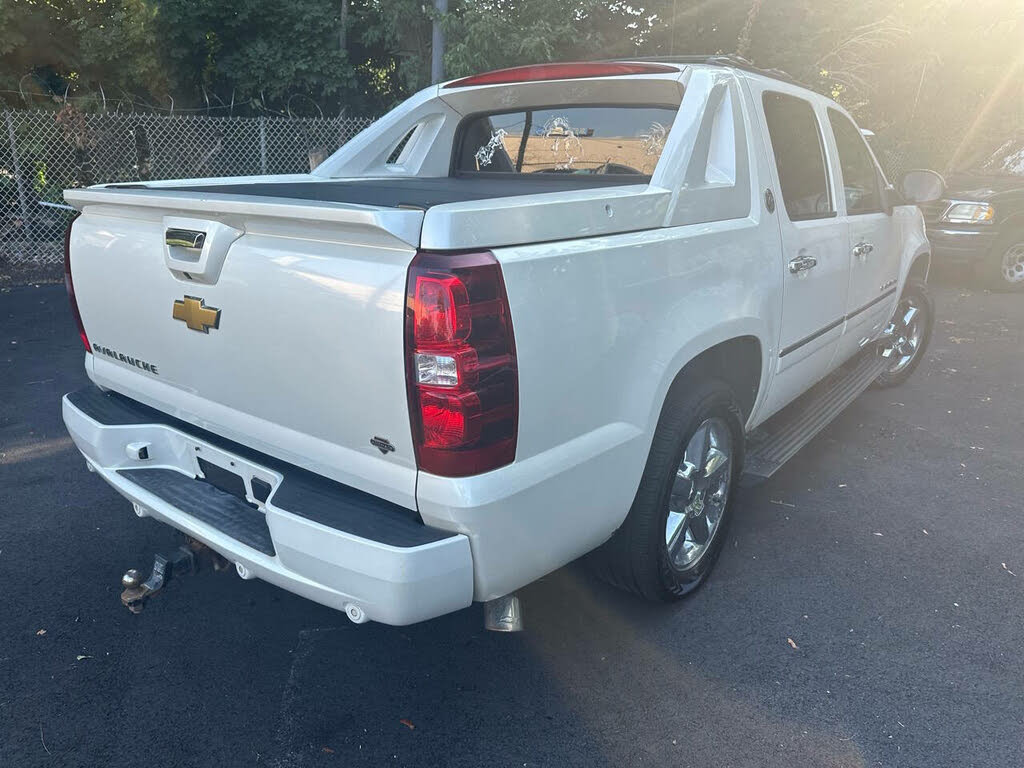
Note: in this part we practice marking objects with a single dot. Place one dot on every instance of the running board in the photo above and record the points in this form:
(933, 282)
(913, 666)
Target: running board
(777, 440)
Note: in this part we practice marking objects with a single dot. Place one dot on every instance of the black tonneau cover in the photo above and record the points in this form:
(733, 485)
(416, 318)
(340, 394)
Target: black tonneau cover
(413, 192)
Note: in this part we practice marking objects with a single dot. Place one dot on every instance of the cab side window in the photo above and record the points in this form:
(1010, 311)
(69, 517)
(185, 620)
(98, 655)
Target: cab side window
(799, 156)
(860, 178)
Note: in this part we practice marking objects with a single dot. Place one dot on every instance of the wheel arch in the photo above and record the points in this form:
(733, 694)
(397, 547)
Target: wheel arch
(920, 266)
(1013, 223)
(738, 360)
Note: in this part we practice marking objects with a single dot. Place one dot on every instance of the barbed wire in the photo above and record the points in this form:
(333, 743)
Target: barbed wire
(99, 97)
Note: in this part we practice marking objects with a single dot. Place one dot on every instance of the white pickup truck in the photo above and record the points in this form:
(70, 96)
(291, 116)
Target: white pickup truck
(525, 316)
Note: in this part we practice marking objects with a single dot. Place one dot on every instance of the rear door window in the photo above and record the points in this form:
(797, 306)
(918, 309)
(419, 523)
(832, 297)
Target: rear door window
(614, 140)
(799, 156)
(860, 177)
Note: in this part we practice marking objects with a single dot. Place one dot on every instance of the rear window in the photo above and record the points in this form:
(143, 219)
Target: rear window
(592, 140)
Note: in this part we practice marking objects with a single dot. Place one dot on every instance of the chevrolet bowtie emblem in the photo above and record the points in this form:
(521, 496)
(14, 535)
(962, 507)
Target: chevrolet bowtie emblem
(195, 314)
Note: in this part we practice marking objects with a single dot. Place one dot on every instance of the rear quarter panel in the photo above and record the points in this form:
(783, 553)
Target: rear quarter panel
(602, 326)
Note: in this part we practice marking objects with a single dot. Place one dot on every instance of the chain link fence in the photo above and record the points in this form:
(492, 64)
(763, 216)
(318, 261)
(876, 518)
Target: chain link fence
(42, 153)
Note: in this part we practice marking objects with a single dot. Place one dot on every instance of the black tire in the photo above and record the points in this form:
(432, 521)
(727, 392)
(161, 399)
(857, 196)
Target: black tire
(917, 290)
(636, 558)
(991, 269)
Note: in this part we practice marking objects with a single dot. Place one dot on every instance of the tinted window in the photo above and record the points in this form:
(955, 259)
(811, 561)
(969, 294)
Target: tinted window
(1007, 159)
(618, 140)
(799, 156)
(860, 179)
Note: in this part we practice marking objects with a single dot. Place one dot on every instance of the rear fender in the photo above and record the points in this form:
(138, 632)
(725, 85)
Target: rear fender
(711, 337)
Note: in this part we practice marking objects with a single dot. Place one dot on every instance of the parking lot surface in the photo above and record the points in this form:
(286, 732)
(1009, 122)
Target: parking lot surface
(868, 609)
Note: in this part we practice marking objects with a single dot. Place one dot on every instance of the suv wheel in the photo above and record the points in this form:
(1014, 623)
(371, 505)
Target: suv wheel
(1003, 269)
(908, 334)
(675, 529)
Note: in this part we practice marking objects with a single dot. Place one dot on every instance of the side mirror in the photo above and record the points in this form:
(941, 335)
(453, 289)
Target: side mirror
(922, 186)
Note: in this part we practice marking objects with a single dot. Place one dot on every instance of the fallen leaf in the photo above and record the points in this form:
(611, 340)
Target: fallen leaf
(408, 724)
(43, 631)
(792, 644)
(328, 750)
(79, 657)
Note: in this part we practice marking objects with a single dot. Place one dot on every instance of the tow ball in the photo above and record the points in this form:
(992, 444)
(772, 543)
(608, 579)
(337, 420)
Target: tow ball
(183, 561)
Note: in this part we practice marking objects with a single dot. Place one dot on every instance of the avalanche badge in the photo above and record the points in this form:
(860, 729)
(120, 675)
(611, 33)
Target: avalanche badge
(195, 314)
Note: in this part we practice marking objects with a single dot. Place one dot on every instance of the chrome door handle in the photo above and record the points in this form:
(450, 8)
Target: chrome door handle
(802, 263)
(862, 249)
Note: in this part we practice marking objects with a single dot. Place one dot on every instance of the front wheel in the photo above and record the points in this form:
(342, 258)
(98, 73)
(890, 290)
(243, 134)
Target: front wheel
(907, 334)
(675, 529)
(1003, 268)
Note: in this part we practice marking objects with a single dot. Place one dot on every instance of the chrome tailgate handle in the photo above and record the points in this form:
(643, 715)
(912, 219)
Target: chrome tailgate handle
(195, 249)
(184, 238)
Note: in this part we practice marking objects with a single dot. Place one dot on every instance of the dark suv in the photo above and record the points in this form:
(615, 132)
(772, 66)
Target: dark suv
(980, 220)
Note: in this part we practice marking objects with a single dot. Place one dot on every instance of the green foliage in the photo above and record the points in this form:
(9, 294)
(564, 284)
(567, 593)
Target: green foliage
(392, 38)
(272, 53)
(74, 41)
(488, 34)
(934, 78)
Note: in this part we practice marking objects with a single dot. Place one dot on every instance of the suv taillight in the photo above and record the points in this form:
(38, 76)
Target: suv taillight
(460, 364)
(69, 284)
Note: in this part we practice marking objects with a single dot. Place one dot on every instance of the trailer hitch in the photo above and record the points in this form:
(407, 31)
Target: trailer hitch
(183, 561)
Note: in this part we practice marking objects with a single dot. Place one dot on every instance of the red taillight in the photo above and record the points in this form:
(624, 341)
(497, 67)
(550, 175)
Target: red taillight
(441, 310)
(563, 71)
(70, 285)
(461, 364)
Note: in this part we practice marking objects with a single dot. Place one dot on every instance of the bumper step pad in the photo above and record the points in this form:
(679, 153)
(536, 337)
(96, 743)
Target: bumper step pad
(225, 512)
(776, 441)
(300, 492)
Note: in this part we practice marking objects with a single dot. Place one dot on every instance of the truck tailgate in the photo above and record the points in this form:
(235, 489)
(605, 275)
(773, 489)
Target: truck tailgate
(286, 335)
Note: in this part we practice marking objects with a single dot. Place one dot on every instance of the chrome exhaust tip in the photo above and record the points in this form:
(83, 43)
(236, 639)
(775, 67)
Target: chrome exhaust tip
(504, 614)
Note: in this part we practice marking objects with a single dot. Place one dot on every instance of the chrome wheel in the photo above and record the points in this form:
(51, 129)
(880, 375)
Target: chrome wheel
(904, 335)
(699, 493)
(1013, 264)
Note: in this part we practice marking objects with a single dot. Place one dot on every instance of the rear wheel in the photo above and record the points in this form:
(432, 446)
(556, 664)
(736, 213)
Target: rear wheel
(675, 529)
(1003, 268)
(907, 334)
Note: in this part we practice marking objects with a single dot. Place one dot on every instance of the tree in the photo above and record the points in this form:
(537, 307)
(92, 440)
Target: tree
(936, 80)
(76, 45)
(488, 34)
(269, 53)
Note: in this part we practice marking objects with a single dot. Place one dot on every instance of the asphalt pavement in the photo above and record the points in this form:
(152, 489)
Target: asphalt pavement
(868, 609)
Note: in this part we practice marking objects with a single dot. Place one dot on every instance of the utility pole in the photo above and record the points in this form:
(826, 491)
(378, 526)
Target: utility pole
(437, 44)
(343, 31)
